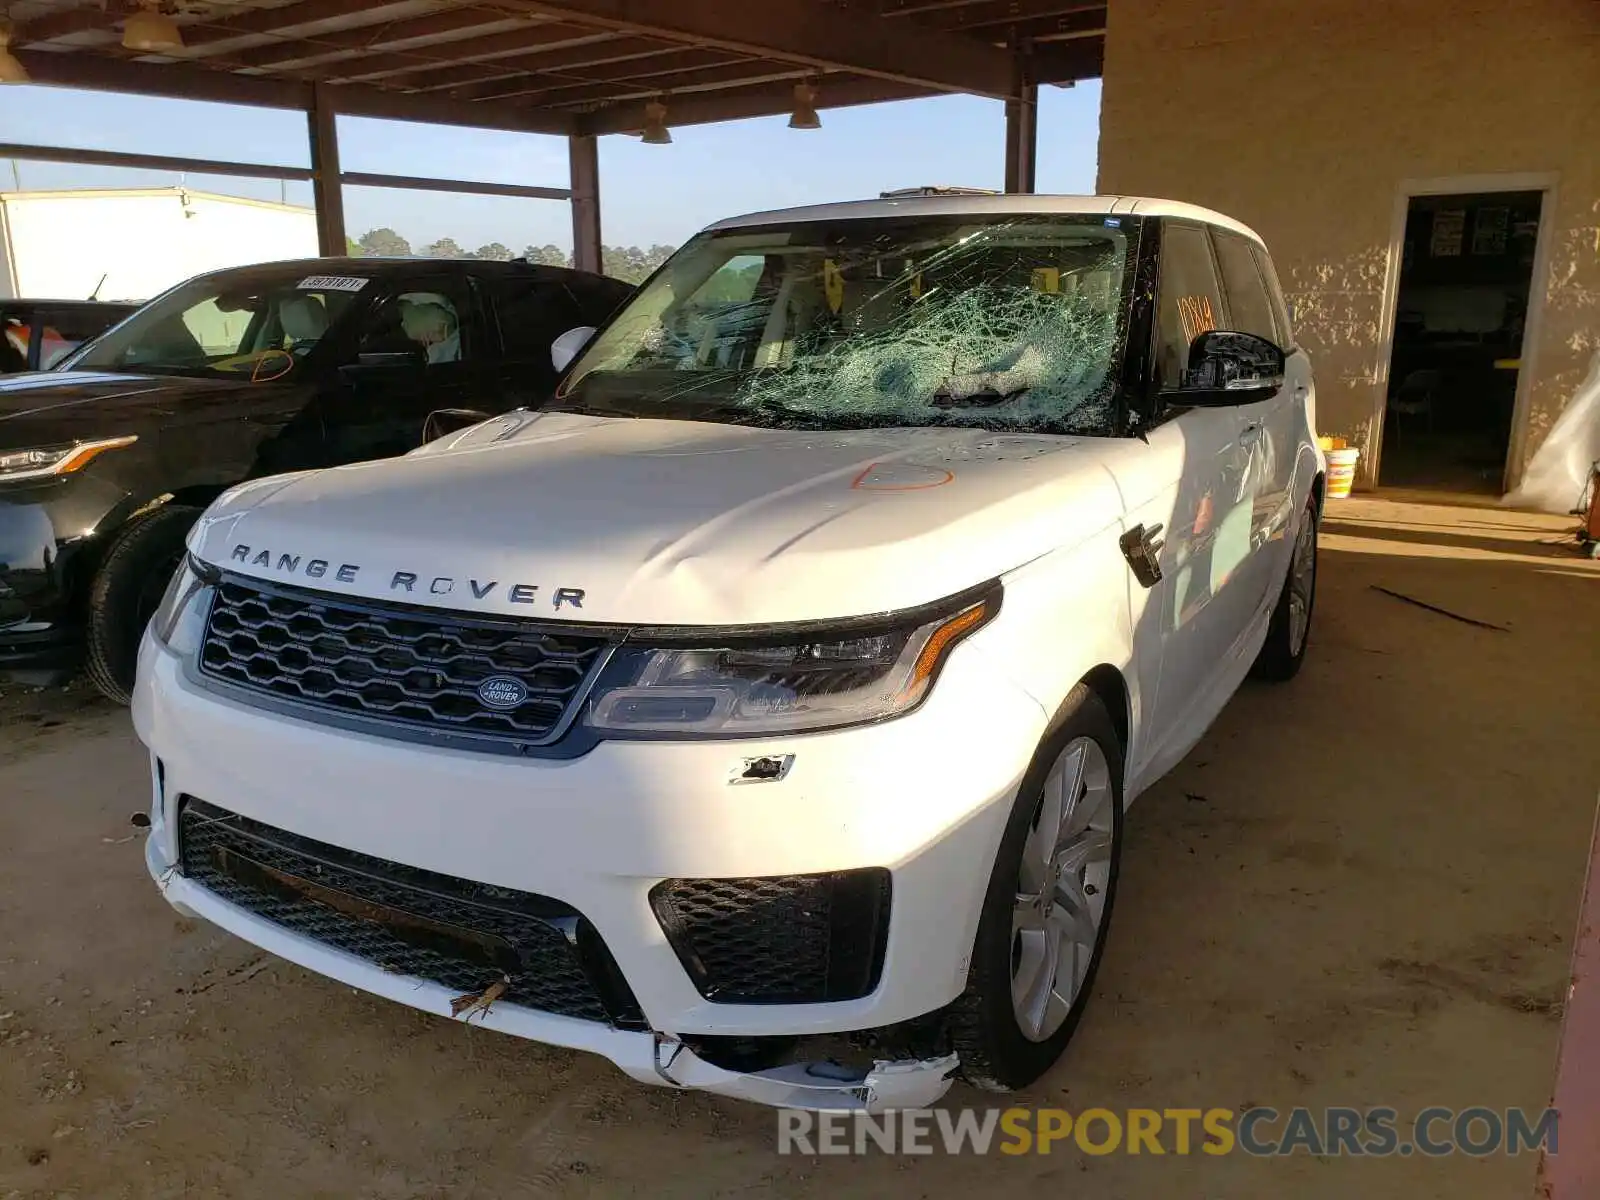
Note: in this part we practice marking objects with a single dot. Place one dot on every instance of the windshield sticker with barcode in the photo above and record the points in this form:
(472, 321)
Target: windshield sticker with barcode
(331, 283)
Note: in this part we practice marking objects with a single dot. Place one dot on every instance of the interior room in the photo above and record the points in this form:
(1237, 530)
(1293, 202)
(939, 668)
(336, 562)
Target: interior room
(1458, 332)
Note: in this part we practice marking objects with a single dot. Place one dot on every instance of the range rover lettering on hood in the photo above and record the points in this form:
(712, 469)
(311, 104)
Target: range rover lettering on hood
(403, 581)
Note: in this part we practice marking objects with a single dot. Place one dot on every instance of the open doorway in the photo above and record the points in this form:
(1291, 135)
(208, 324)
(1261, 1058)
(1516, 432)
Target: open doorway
(1467, 262)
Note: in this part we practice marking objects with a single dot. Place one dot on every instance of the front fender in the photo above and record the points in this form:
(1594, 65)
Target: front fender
(1065, 615)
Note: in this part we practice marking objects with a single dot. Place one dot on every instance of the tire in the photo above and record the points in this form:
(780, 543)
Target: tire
(1285, 648)
(985, 1024)
(126, 591)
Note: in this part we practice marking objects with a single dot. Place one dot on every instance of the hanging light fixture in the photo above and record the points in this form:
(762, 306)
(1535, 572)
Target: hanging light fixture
(11, 68)
(805, 108)
(656, 132)
(151, 30)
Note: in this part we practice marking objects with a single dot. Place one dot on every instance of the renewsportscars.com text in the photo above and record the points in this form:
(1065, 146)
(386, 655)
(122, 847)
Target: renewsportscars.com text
(1260, 1131)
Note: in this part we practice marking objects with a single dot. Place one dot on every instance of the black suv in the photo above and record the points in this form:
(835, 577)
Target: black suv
(108, 460)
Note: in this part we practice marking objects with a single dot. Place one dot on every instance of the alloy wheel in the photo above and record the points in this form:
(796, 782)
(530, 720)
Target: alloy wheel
(1061, 889)
(1302, 582)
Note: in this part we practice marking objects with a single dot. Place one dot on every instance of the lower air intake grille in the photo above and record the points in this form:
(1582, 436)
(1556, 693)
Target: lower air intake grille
(779, 939)
(455, 932)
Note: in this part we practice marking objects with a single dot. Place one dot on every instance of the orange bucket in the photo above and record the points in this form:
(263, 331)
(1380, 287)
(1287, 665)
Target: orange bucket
(1341, 472)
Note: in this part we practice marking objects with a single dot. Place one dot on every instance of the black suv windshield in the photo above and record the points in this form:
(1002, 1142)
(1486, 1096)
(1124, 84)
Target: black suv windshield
(998, 321)
(227, 326)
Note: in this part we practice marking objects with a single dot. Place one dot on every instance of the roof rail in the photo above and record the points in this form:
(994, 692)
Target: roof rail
(936, 190)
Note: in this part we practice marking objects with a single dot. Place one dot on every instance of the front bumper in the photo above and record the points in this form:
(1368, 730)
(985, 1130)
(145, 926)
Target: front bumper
(45, 533)
(652, 1058)
(925, 796)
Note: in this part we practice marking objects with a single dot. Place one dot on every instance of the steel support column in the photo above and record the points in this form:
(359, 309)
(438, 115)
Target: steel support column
(583, 151)
(326, 187)
(1022, 128)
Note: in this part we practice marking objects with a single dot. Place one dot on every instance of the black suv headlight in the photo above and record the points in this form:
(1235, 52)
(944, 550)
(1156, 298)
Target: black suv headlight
(42, 462)
(820, 678)
(179, 620)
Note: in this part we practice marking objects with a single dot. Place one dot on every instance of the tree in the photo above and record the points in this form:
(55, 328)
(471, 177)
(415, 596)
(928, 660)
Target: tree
(352, 247)
(444, 248)
(547, 256)
(493, 252)
(630, 263)
(384, 243)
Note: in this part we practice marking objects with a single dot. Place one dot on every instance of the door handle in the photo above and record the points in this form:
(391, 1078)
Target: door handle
(1141, 546)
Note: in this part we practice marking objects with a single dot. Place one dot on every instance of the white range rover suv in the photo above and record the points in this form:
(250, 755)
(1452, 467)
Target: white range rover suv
(761, 713)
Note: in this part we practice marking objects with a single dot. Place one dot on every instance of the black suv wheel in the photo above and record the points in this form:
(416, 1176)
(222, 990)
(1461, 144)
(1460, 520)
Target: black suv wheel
(126, 592)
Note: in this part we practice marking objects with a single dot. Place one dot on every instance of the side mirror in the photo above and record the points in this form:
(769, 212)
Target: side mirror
(565, 348)
(1227, 367)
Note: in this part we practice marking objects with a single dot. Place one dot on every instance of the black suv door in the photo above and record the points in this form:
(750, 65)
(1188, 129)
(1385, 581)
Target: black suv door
(531, 311)
(421, 346)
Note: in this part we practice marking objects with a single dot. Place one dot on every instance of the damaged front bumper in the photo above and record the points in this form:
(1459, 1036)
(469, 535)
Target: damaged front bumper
(654, 1058)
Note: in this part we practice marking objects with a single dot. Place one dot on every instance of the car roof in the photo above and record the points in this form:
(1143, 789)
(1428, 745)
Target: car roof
(36, 302)
(988, 206)
(383, 268)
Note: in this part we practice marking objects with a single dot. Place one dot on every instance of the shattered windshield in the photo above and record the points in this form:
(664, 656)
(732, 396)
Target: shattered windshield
(995, 321)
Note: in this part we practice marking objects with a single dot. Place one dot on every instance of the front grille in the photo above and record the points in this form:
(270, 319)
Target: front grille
(403, 666)
(408, 921)
(779, 939)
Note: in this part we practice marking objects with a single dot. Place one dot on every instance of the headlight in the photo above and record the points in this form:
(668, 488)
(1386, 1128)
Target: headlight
(849, 676)
(178, 619)
(55, 460)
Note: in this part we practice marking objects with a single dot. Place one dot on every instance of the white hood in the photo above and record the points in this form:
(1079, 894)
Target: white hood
(670, 522)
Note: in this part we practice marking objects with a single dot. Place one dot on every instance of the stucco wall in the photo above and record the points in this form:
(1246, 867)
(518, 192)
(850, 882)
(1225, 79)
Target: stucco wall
(1303, 117)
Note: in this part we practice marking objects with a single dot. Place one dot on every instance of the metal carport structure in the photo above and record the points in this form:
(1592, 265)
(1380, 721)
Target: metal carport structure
(578, 68)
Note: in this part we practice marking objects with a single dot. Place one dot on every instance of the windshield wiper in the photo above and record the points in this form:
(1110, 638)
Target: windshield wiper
(588, 408)
(987, 397)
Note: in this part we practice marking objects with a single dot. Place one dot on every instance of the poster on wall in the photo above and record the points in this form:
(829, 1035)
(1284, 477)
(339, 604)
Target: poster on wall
(1449, 224)
(1489, 227)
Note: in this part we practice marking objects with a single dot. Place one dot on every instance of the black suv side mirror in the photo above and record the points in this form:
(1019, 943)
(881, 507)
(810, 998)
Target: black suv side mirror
(1227, 367)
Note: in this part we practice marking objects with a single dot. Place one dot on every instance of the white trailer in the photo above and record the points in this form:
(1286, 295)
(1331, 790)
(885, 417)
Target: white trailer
(130, 244)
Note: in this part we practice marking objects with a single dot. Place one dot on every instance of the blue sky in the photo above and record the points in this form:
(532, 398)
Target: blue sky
(649, 194)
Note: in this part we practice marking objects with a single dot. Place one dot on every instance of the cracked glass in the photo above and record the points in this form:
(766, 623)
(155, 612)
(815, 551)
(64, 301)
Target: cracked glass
(995, 322)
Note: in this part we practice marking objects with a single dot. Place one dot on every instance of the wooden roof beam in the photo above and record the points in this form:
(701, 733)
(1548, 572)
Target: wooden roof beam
(475, 58)
(979, 14)
(445, 30)
(762, 100)
(198, 33)
(670, 84)
(185, 82)
(808, 34)
(521, 67)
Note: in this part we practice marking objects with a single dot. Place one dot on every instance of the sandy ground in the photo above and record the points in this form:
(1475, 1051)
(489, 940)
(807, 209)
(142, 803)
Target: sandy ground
(1358, 890)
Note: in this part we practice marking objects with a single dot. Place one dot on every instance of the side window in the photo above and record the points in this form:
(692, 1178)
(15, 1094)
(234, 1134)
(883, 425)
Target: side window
(70, 329)
(14, 336)
(1280, 310)
(1249, 310)
(218, 331)
(428, 320)
(599, 298)
(532, 314)
(1191, 301)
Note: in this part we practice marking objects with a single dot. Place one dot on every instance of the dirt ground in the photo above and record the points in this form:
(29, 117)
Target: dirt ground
(1358, 890)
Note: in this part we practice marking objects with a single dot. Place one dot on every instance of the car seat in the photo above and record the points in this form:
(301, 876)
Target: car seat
(304, 321)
